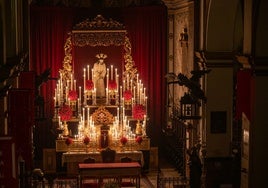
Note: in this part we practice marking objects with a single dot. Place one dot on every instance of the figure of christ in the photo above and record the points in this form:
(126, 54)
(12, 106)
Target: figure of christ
(99, 70)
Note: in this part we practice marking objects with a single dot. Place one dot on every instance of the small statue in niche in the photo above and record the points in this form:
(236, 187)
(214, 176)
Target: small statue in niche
(99, 70)
(104, 138)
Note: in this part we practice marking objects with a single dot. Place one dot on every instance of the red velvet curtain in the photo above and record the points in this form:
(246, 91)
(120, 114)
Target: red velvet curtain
(49, 27)
(147, 32)
(146, 28)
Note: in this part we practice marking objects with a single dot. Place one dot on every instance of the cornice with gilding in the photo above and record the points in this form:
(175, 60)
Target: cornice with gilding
(174, 5)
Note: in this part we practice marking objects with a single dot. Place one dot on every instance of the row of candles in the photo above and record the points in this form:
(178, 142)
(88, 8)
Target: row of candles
(63, 87)
(134, 86)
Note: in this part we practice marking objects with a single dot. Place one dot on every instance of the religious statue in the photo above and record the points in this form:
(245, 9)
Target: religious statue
(99, 70)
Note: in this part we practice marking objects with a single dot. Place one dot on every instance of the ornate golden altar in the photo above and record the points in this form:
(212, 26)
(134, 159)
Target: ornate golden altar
(90, 123)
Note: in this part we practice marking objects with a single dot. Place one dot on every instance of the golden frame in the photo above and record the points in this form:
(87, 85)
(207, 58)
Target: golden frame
(98, 32)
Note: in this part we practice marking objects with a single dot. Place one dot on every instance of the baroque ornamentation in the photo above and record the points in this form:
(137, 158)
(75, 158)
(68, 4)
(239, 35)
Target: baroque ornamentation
(102, 116)
(98, 32)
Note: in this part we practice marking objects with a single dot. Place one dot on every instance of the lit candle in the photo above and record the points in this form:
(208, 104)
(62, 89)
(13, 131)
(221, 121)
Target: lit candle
(107, 82)
(80, 93)
(134, 94)
(140, 95)
(88, 117)
(117, 82)
(75, 85)
(112, 77)
(84, 75)
(88, 72)
(144, 95)
(107, 95)
(121, 93)
(66, 96)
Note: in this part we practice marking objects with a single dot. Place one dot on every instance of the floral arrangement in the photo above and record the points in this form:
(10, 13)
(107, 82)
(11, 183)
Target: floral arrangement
(89, 85)
(112, 85)
(86, 140)
(127, 95)
(123, 140)
(72, 95)
(138, 112)
(65, 112)
(139, 139)
(68, 141)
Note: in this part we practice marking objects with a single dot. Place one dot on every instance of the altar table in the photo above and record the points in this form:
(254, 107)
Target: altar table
(118, 171)
(74, 158)
(78, 145)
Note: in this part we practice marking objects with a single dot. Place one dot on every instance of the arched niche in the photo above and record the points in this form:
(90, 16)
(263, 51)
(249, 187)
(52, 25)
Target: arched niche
(91, 37)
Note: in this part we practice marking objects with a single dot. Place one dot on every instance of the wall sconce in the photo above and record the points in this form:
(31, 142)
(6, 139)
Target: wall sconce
(189, 107)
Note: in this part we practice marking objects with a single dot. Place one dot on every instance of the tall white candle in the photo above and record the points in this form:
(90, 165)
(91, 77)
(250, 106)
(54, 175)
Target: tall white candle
(144, 92)
(88, 72)
(112, 77)
(107, 96)
(66, 96)
(88, 117)
(121, 93)
(84, 76)
(80, 93)
(140, 95)
(117, 82)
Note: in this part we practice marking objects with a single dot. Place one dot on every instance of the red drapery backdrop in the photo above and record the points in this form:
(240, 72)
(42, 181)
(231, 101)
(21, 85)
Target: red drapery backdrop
(146, 27)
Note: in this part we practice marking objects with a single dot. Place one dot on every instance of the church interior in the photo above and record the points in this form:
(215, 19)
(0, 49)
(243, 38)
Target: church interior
(133, 93)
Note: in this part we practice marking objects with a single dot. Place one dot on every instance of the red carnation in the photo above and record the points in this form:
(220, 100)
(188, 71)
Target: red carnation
(86, 140)
(89, 85)
(127, 95)
(138, 112)
(68, 141)
(72, 95)
(65, 112)
(112, 85)
(139, 139)
(123, 140)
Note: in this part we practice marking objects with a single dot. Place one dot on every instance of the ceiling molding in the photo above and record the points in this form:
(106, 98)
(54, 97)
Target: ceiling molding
(177, 4)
